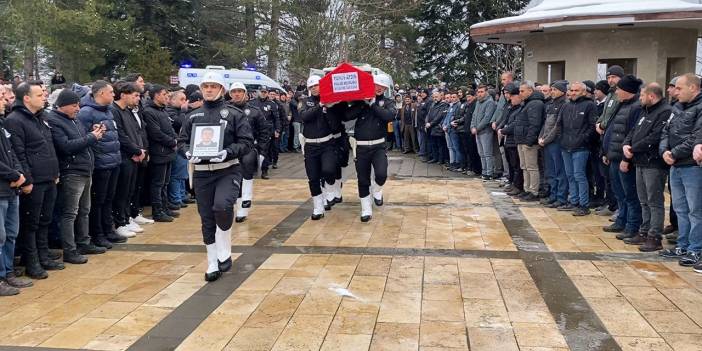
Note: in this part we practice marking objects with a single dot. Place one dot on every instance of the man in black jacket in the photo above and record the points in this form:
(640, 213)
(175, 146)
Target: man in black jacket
(133, 147)
(641, 146)
(73, 147)
(11, 178)
(526, 131)
(32, 142)
(621, 171)
(162, 151)
(677, 143)
(270, 111)
(516, 177)
(576, 123)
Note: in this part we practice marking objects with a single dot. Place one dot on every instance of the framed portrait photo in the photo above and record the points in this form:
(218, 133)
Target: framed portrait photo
(206, 140)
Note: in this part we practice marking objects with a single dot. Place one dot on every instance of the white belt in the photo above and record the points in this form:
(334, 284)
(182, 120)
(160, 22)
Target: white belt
(336, 136)
(216, 166)
(319, 140)
(370, 142)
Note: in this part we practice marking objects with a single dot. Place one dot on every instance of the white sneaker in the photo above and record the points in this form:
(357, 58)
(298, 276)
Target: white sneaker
(123, 231)
(133, 227)
(141, 220)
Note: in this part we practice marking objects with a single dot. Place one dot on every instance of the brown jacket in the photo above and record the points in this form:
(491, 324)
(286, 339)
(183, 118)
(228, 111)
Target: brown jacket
(413, 106)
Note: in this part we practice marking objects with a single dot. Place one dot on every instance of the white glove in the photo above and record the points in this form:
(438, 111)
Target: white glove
(192, 159)
(221, 156)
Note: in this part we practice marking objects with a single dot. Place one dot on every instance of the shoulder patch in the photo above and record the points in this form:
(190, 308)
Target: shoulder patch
(224, 113)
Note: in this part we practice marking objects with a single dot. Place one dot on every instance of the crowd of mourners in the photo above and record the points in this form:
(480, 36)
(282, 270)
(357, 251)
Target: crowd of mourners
(78, 164)
(611, 147)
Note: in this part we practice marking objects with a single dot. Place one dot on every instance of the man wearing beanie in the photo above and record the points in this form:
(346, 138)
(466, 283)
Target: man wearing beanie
(601, 91)
(621, 169)
(603, 197)
(589, 88)
(73, 149)
(614, 74)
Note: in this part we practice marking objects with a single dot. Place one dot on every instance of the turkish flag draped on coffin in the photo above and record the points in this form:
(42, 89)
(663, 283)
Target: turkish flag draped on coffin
(346, 83)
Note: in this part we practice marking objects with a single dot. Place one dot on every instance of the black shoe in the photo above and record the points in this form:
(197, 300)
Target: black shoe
(626, 235)
(240, 219)
(338, 200)
(317, 217)
(91, 249)
(102, 242)
(15, 282)
(581, 211)
(183, 205)
(210, 277)
(556, 204)
(697, 268)
(524, 195)
(328, 205)
(225, 266)
(486, 178)
(171, 213)
(54, 255)
(189, 201)
(50, 265)
(673, 253)
(274, 166)
(365, 219)
(246, 204)
(531, 198)
(432, 161)
(115, 239)
(7, 289)
(162, 217)
(546, 201)
(378, 202)
(515, 192)
(672, 238)
(173, 207)
(689, 260)
(34, 270)
(566, 207)
(640, 239)
(264, 175)
(652, 244)
(74, 258)
(613, 229)
(669, 229)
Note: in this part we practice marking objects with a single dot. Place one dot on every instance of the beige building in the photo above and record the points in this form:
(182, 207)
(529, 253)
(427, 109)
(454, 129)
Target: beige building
(577, 39)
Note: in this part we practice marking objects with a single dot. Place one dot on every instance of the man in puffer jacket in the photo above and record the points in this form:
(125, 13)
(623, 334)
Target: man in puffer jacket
(516, 177)
(526, 129)
(576, 121)
(549, 139)
(94, 111)
(641, 145)
(677, 142)
(621, 170)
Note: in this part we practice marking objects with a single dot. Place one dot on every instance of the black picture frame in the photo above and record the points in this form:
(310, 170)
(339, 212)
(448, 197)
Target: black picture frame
(201, 149)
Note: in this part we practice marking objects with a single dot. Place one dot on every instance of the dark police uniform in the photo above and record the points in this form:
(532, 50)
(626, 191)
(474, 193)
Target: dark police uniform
(320, 155)
(370, 131)
(270, 112)
(216, 185)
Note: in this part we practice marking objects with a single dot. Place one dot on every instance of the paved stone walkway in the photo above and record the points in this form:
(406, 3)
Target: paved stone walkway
(448, 263)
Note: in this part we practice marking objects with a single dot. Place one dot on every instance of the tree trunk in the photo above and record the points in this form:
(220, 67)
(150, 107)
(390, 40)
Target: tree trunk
(274, 40)
(250, 30)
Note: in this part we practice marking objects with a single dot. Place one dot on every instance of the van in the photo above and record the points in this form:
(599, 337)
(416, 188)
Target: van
(251, 79)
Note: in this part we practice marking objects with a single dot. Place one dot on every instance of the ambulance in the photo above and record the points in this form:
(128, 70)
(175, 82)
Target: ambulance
(251, 79)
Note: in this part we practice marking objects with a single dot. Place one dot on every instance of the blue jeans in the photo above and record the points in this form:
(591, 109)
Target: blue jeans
(9, 229)
(485, 143)
(397, 133)
(575, 166)
(422, 140)
(458, 156)
(296, 136)
(686, 193)
(176, 191)
(624, 188)
(449, 147)
(555, 172)
(284, 138)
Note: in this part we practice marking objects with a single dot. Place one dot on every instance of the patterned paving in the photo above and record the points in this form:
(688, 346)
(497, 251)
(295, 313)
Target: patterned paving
(447, 264)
